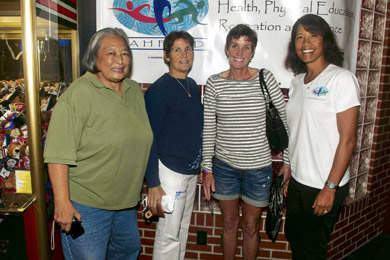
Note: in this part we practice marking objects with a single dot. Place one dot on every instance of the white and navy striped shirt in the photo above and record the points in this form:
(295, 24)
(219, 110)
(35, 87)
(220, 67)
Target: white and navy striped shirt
(234, 121)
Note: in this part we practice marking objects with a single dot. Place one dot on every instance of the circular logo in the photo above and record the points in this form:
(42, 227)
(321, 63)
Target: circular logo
(160, 17)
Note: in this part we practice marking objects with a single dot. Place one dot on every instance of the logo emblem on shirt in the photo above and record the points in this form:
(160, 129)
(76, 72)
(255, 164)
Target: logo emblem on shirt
(320, 91)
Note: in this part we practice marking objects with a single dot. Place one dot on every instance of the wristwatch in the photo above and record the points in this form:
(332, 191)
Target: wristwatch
(332, 185)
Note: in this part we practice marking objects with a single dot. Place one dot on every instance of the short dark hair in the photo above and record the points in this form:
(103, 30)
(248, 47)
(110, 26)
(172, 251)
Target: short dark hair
(313, 24)
(89, 59)
(242, 30)
(170, 39)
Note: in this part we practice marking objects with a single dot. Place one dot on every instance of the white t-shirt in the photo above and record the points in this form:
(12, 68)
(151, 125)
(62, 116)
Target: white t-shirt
(311, 118)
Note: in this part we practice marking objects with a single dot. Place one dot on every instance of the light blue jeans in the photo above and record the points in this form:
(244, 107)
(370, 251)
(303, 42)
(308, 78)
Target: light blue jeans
(109, 234)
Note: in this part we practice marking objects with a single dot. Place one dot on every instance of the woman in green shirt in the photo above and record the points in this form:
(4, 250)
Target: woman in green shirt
(97, 150)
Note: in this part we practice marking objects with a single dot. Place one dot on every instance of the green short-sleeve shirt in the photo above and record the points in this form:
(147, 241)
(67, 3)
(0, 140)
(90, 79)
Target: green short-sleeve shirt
(104, 138)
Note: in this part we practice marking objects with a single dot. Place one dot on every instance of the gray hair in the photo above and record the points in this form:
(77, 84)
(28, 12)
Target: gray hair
(89, 59)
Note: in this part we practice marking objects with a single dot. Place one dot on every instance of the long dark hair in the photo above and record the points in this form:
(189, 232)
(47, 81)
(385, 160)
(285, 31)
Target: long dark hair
(313, 24)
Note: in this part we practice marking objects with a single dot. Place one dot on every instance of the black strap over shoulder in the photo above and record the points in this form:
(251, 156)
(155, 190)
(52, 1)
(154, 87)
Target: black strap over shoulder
(275, 131)
(263, 86)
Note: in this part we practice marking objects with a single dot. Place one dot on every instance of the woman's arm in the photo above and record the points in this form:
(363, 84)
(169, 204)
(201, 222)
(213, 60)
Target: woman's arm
(157, 109)
(280, 104)
(209, 126)
(346, 125)
(209, 135)
(63, 210)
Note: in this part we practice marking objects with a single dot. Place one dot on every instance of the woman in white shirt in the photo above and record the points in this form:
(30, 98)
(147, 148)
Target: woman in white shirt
(322, 117)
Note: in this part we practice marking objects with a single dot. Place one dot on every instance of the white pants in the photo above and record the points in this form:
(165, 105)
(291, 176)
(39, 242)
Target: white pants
(172, 230)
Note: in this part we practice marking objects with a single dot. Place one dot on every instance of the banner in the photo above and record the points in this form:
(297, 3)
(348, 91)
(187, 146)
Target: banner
(146, 22)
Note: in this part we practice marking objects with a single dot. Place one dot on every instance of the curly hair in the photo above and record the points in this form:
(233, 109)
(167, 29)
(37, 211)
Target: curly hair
(313, 24)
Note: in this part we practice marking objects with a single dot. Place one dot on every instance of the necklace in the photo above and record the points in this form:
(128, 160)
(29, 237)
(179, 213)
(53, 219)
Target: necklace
(186, 90)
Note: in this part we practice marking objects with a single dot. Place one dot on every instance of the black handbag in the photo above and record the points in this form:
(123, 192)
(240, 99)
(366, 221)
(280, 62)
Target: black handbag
(275, 130)
(275, 208)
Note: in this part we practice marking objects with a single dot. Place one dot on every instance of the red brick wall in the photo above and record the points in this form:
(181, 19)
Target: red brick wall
(359, 222)
(364, 219)
(384, 130)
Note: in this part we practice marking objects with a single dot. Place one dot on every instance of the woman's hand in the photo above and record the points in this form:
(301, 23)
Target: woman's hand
(154, 197)
(63, 214)
(324, 201)
(200, 177)
(286, 171)
(64, 209)
(208, 184)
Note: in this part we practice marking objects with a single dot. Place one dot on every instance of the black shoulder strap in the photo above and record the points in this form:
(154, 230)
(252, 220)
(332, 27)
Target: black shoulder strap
(264, 86)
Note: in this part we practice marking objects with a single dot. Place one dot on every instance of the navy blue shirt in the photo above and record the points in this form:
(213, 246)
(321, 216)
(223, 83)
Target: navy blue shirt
(177, 123)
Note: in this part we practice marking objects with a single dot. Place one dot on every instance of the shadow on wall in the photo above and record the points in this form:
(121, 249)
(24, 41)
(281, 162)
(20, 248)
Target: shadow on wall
(377, 249)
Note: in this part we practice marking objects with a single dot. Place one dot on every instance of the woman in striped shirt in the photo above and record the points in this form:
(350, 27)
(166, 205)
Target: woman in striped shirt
(236, 154)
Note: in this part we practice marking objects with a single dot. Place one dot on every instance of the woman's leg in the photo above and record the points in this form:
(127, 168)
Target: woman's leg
(295, 227)
(250, 228)
(255, 192)
(167, 243)
(227, 191)
(186, 220)
(125, 242)
(93, 243)
(307, 233)
(322, 227)
(231, 219)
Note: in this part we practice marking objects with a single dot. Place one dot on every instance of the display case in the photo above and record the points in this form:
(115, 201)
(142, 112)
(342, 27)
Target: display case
(57, 66)
(39, 58)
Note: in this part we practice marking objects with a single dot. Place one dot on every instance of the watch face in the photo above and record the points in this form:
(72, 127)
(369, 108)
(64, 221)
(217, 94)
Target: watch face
(331, 185)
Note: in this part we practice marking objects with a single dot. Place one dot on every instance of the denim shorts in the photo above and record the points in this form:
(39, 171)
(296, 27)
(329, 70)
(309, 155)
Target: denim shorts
(251, 185)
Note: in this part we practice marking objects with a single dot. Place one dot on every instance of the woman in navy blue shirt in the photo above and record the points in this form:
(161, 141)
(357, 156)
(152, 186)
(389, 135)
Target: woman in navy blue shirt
(176, 117)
